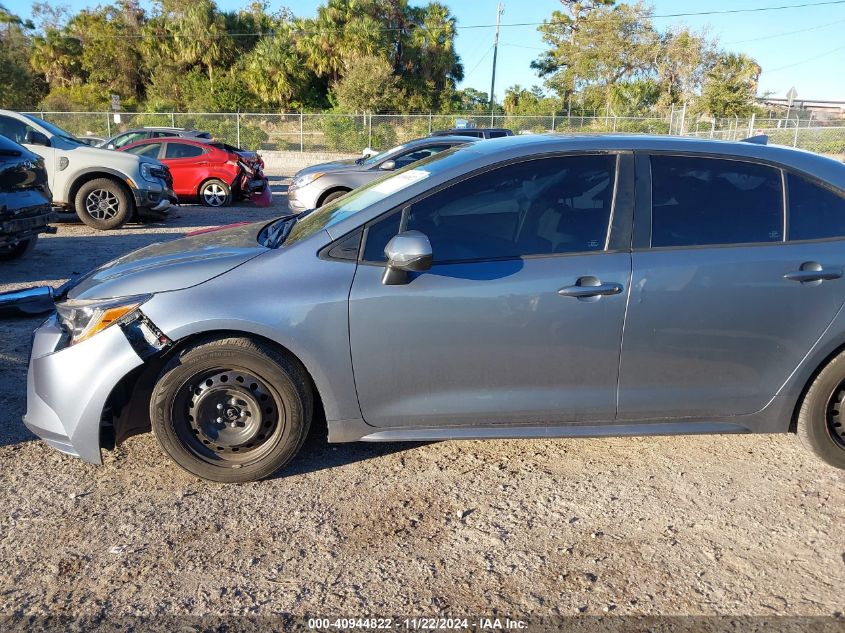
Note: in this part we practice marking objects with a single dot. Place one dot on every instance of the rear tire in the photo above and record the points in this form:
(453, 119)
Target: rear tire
(215, 193)
(821, 418)
(18, 249)
(103, 204)
(231, 409)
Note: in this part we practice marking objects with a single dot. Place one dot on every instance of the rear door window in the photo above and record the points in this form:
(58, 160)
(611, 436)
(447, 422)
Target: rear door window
(815, 212)
(711, 201)
(182, 150)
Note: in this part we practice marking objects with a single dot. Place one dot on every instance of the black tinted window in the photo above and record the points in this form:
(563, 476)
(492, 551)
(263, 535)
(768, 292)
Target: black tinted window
(814, 212)
(418, 154)
(497, 134)
(182, 150)
(697, 201)
(552, 205)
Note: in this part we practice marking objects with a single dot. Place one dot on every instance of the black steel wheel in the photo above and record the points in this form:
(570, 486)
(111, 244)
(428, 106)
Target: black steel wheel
(835, 415)
(821, 417)
(232, 409)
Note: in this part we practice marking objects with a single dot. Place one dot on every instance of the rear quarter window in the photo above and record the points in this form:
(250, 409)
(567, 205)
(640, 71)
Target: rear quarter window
(815, 212)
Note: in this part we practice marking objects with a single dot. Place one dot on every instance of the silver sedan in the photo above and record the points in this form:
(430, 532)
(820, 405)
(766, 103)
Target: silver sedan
(317, 185)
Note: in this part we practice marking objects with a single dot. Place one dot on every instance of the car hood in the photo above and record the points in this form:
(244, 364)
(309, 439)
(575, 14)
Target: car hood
(337, 165)
(85, 155)
(173, 265)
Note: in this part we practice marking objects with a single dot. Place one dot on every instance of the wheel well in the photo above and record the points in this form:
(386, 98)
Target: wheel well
(793, 423)
(329, 192)
(126, 412)
(95, 175)
(210, 178)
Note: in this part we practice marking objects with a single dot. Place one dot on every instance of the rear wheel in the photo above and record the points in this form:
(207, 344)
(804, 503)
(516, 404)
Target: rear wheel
(103, 204)
(17, 249)
(215, 193)
(231, 409)
(821, 419)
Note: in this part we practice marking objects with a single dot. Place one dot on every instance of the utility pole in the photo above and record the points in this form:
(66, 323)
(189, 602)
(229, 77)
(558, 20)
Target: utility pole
(499, 11)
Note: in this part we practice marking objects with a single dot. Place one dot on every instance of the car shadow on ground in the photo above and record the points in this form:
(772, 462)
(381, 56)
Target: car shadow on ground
(317, 454)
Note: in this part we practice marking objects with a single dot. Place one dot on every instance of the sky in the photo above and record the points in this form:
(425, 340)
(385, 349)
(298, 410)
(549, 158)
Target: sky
(800, 47)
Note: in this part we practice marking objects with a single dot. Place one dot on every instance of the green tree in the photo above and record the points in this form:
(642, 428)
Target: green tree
(730, 86)
(57, 56)
(470, 100)
(368, 85)
(20, 85)
(275, 72)
(110, 55)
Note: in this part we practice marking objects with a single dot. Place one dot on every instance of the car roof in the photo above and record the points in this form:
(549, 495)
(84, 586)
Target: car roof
(174, 139)
(439, 139)
(529, 144)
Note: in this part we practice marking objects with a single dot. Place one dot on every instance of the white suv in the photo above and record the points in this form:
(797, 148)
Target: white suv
(104, 188)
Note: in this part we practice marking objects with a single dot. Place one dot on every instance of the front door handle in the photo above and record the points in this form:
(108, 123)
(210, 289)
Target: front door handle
(812, 272)
(589, 287)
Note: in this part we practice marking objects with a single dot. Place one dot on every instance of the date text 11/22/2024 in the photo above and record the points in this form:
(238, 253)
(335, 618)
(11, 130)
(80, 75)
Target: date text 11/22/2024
(417, 624)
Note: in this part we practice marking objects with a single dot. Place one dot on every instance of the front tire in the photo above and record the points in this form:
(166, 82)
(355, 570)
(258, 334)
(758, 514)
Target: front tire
(18, 249)
(231, 409)
(215, 193)
(334, 195)
(103, 204)
(821, 418)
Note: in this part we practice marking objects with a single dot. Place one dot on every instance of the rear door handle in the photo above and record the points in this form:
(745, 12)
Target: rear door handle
(813, 271)
(587, 287)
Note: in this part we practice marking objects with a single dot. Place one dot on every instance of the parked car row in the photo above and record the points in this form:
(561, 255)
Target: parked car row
(521, 287)
(25, 200)
(106, 189)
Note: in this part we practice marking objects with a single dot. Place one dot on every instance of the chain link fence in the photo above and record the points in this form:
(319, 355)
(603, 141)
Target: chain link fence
(345, 133)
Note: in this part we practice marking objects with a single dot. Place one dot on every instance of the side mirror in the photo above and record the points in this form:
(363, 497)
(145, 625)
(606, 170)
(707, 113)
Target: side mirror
(407, 252)
(36, 138)
(110, 146)
(388, 165)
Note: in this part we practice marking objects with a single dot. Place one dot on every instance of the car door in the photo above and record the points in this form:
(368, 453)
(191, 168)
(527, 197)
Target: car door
(184, 161)
(509, 326)
(719, 316)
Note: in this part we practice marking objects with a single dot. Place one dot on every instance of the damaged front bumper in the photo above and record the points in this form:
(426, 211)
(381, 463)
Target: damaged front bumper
(68, 387)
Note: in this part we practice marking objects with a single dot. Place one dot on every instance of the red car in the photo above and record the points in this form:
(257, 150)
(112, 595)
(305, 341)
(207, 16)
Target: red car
(214, 173)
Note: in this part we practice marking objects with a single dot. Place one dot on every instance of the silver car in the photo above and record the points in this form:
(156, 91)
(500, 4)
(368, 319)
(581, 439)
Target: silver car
(537, 286)
(317, 185)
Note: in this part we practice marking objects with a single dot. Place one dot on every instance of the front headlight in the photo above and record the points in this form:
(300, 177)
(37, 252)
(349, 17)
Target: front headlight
(306, 179)
(83, 319)
(151, 172)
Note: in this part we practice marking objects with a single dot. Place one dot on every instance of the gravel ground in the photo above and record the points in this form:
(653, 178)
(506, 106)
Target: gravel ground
(723, 525)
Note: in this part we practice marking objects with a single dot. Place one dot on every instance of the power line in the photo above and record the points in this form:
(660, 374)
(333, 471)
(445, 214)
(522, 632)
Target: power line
(785, 33)
(804, 61)
(302, 31)
(483, 57)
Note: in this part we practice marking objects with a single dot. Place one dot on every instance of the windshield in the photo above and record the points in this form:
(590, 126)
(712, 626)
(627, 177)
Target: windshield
(372, 160)
(372, 193)
(53, 129)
